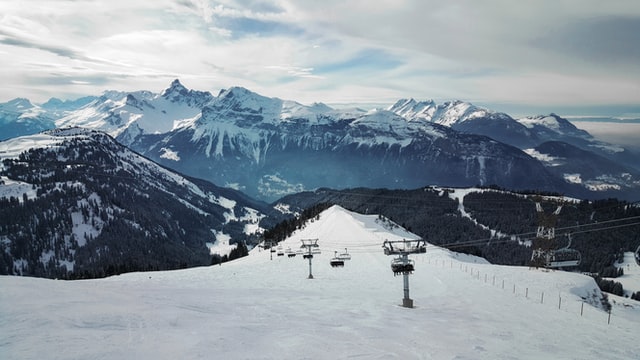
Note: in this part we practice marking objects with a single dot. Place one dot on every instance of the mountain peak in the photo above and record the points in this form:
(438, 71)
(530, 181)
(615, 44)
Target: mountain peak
(554, 123)
(177, 92)
(176, 88)
(18, 104)
(239, 91)
(238, 98)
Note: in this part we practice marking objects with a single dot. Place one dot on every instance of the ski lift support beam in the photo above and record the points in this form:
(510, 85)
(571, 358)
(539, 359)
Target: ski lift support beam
(309, 244)
(403, 248)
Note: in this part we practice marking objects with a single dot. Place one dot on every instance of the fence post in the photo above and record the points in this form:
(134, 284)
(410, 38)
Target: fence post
(526, 293)
(542, 298)
(581, 308)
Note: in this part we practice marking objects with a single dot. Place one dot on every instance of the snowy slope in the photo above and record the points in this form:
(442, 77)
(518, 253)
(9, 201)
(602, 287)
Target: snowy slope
(631, 279)
(257, 308)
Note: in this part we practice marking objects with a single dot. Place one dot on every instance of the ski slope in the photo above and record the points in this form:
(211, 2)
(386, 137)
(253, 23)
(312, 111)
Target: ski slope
(631, 279)
(263, 306)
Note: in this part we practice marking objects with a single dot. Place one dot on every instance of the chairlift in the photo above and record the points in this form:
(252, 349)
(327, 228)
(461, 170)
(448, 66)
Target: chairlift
(399, 266)
(307, 256)
(345, 255)
(315, 250)
(417, 246)
(280, 250)
(564, 257)
(336, 261)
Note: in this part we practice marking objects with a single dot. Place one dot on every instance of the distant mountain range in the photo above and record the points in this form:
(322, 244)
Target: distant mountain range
(268, 147)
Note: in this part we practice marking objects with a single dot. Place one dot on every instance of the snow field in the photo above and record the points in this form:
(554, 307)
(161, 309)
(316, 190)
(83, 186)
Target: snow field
(258, 308)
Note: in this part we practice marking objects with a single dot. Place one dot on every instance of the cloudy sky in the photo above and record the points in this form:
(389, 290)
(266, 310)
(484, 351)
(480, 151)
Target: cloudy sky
(540, 54)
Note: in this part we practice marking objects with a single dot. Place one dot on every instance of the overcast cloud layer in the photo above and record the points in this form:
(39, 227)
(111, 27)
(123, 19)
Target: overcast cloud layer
(518, 53)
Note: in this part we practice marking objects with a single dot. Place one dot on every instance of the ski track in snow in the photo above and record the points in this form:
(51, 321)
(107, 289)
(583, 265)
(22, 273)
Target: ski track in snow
(257, 308)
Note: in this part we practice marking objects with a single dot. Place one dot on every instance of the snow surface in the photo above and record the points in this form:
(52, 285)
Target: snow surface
(631, 279)
(549, 122)
(257, 308)
(545, 158)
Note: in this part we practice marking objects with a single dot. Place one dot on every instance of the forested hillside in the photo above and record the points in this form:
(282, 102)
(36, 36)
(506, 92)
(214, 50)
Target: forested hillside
(497, 225)
(84, 206)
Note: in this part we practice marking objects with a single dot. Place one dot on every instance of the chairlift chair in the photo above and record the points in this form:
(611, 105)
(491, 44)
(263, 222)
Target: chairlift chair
(345, 255)
(563, 258)
(336, 261)
(399, 266)
(290, 253)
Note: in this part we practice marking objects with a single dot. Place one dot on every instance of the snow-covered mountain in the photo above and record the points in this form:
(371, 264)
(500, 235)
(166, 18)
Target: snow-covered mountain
(128, 115)
(257, 308)
(553, 127)
(465, 117)
(268, 147)
(468, 118)
(20, 116)
(75, 203)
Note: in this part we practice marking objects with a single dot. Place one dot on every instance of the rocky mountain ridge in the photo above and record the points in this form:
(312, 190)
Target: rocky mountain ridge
(268, 147)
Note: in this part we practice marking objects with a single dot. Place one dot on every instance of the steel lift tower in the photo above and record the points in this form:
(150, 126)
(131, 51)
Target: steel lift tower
(402, 264)
(312, 246)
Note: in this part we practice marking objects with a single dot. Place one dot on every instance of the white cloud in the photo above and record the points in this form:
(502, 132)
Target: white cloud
(496, 51)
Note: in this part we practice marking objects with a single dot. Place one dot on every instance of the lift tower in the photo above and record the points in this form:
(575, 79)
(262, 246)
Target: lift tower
(402, 264)
(310, 245)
